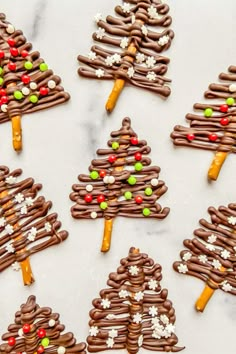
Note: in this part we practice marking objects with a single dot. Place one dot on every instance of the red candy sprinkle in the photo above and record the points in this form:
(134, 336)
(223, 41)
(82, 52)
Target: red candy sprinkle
(3, 92)
(212, 137)
(138, 199)
(88, 198)
(134, 140)
(43, 91)
(112, 158)
(11, 42)
(2, 54)
(4, 99)
(224, 108)
(12, 66)
(138, 156)
(25, 79)
(224, 121)
(190, 137)
(40, 349)
(102, 173)
(24, 53)
(41, 333)
(11, 341)
(14, 52)
(26, 328)
(100, 198)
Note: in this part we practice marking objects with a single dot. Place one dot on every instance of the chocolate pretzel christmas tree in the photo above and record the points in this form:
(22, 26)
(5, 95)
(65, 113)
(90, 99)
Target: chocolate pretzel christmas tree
(210, 255)
(136, 59)
(215, 128)
(38, 330)
(26, 227)
(134, 311)
(121, 182)
(26, 83)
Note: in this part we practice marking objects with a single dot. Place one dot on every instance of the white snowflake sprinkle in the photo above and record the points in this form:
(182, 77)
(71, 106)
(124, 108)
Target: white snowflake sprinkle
(10, 180)
(151, 76)
(92, 55)
(10, 248)
(153, 311)
(140, 57)
(9, 229)
(163, 40)
(225, 254)
(210, 247)
(29, 201)
(212, 238)
(105, 303)
(139, 296)
(144, 30)
(48, 226)
(140, 340)
(100, 33)
(123, 293)
(116, 58)
(23, 210)
(133, 270)
(32, 234)
(152, 284)
(232, 220)
(130, 72)
(150, 62)
(99, 73)
(155, 321)
(111, 316)
(2, 222)
(113, 333)
(109, 60)
(16, 266)
(93, 331)
(202, 258)
(157, 332)
(110, 342)
(152, 13)
(187, 256)
(226, 286)
(19, 198)
(137, 318)
(126, 7)
(216, 264)
(124, 42)
(164, 319)
(182, 268)
(98, 17)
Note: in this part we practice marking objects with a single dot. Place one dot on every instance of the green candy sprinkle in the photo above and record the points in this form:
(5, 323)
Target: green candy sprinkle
(208, 112)
(146, 212)
(138, 166)
(33, 99)
(132, 180)
(94, 174)
(230, 101)
(115, 145)
(45, 342)
(103, 205)
(1, 81)
(43, 67)
(1, 70)
(148, 191)
(28, 65)
(18, 95)
(128, 195)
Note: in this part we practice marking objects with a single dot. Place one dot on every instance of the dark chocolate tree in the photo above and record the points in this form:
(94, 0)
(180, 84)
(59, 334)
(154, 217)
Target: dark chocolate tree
(26, 83)
(210, 255)
(38, 330)
(215, 128)
(134, 311)
(136, 59)
(121, 182)
(26, 227)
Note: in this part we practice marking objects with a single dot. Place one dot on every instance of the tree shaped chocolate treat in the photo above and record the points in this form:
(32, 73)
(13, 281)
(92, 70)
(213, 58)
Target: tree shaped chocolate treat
(26, 227)
(38, 330)
(134, 56)
(121, 182)
(26, 83)
(134, 311)
(215, 128)
(210, 255)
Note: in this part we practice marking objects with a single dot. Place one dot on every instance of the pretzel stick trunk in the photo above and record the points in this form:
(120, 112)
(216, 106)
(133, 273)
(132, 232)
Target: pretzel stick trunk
(206, 294)
(16, 129)
(120, 83)
(216, 165)
(25, 264)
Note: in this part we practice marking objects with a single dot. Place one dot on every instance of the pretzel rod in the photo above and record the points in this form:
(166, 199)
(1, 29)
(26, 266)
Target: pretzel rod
(16, 129)
(120, 83)
(25, 264)
(216, 165)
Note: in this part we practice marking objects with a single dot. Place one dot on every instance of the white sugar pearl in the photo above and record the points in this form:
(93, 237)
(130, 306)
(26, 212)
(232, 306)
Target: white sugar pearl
(61, 350)
(154, 182)
(232, 88)
(111, 179)
(51, 84)
(4, 107)
(10, 29)
(93, 215)
(89, 188)
(106, 179)
(51, 322)
(25, 91)
(20, 332)
(33, 85)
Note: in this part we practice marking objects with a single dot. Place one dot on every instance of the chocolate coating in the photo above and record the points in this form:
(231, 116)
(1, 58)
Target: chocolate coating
(134, 24)
(13, 78)
(134, 311)
(39, 318)
(26, 225)
(210, 255)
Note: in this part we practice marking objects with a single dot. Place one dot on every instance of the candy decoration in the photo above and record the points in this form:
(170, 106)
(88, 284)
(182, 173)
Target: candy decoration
(137, 60)
(214, 129)
(40, 319)
(133, 311)
(26, 225)
(210, 255)
(124, 190)
(15, 72)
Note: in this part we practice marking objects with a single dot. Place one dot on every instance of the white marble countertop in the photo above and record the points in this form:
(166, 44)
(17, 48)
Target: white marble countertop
(59, 144)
